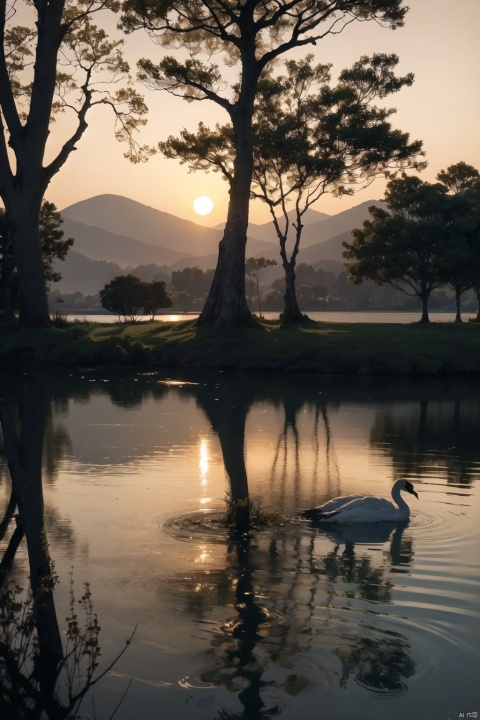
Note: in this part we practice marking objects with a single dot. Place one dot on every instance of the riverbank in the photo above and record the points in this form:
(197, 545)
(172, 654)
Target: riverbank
(316, 347)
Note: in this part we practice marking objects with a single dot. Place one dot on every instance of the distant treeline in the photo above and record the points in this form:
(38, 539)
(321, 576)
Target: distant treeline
(317, 289)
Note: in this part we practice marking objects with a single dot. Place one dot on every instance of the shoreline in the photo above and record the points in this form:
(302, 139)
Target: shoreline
(438, 349)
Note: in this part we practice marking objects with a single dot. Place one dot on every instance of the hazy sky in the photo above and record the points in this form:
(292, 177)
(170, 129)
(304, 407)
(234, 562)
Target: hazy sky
(439, 43)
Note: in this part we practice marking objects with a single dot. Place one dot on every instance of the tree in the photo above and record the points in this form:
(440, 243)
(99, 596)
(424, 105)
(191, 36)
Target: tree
(405, 247)
(156, 296)
(53, 247)
(310, 139)
(251, 35)
(61, 62)
(473, 196)
(192, 280)
(125, 296)
(462, 262)
(257, 270)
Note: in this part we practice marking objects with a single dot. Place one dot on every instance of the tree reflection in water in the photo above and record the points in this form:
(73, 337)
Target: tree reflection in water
(284, 594)
(39, 677)
(418, 438)
(295, 592)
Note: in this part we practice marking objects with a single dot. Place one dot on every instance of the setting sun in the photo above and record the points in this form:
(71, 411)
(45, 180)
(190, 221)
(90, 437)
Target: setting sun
(203, 205)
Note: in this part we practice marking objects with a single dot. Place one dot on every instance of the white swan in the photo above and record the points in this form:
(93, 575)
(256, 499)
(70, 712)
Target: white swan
(358, 508)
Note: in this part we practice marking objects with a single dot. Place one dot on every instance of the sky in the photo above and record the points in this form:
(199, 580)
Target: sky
(439, 44)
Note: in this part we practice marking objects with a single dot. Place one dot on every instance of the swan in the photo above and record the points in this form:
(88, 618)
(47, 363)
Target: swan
(358, 508)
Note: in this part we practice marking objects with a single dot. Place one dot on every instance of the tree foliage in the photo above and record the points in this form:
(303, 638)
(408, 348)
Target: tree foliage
(192, 280)
(248, 36)
(156, 297)
(462, 254)
(421, 242)
(310, 138)
(124, 296)
(54, 247)
(128, 295)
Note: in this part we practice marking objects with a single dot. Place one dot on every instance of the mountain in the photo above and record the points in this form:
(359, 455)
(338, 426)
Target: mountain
(116, 228)
(331, 249)
(99, 244)
(345, 221)
(122, 216)
(266, 231)
(81, 274)
(100, 253)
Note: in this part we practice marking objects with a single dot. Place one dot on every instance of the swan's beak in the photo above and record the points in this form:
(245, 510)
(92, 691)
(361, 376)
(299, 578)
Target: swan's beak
(409, 489)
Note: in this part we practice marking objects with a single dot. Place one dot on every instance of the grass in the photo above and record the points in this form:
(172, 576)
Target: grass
(315, 347)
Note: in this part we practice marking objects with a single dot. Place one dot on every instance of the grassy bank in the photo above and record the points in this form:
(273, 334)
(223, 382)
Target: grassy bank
(328, 348)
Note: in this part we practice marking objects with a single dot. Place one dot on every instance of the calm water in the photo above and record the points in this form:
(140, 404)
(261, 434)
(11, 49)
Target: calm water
(291, 622)
(330, 316)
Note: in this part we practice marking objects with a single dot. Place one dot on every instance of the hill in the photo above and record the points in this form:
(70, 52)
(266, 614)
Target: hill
(81, 274)
(335, 225)
(98, 244)
(266, 231)
(330, 249)
(117, 251)
(125, 217)
(116, 228)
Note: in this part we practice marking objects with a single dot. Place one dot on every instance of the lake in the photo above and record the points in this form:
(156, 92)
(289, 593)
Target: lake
(291, 620)
(333, 316)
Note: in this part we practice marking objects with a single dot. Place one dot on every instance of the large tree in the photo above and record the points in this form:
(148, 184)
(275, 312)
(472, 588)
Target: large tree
(60, 62)
(250, 34)
(310, 138)
(406, 246)
(462, 261)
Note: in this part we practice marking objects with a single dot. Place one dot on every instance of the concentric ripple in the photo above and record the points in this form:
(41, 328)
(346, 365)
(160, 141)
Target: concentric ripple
(207, 525)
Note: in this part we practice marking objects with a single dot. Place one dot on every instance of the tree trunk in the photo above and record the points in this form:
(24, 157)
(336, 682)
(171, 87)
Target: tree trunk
(424, 298)
(24, 219)
(458, 315)
(25, 465)
(291, 311)
(227, 417)
(5, 300)
(226, 304)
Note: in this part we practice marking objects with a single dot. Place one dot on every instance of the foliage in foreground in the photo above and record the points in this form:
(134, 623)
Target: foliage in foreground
(22, 686)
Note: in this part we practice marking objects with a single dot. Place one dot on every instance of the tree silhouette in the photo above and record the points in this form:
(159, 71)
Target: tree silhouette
(60, 62)
(250, 36)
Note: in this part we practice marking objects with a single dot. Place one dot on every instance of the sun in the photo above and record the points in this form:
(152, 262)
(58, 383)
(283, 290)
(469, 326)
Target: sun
(203, 205)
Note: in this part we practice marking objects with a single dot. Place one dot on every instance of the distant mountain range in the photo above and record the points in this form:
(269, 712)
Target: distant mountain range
(113, 234)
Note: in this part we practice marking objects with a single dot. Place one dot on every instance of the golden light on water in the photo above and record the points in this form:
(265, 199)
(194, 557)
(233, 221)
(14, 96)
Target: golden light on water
(203, 462)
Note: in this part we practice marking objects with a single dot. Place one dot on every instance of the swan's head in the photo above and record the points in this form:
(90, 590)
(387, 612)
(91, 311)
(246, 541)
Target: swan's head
(409, 488)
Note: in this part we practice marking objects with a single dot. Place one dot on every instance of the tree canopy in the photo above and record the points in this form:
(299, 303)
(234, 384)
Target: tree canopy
(128, 295)
(248, 36)
(310, 138)
(426, 239)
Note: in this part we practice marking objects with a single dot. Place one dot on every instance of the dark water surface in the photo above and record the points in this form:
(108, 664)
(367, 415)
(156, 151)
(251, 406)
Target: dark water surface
(359, 623)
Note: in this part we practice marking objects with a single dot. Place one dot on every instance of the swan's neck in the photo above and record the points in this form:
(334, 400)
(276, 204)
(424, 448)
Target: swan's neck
(397, 498)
